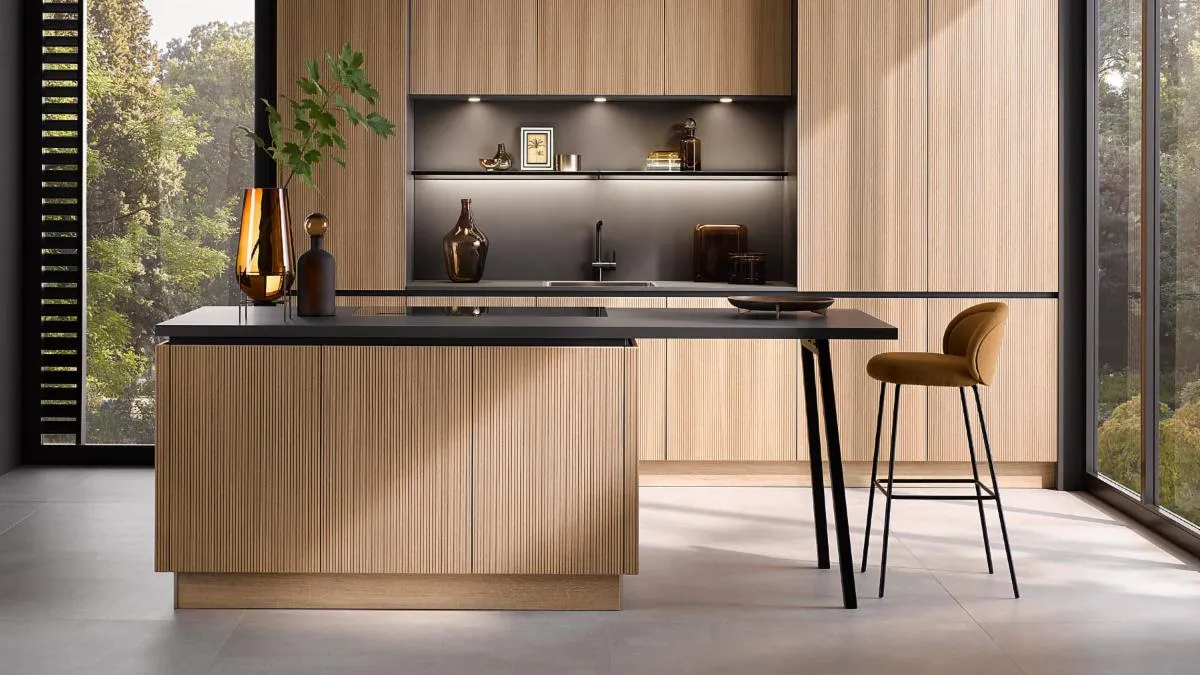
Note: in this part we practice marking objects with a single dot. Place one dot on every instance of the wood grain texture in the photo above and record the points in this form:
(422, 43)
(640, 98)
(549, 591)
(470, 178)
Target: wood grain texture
(374, 302)
(729, 47)
(730, 399)
(471, 301)
(397, 591)
(631, 408)
(858, 395)
(993, 146)
(549, 474)
(857, 474)
(365, 202)
(601, 47)
(861, 167)
(452, 42)
(238, 478)
(651, 372)
(1021, 405)
(395, 460)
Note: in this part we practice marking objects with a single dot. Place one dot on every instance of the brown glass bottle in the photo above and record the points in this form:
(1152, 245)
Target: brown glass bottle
(689, 147)
(316, 273)
(465, 248)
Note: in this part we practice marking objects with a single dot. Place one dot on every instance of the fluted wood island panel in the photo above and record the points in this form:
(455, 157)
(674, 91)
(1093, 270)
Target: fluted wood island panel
(447, 476)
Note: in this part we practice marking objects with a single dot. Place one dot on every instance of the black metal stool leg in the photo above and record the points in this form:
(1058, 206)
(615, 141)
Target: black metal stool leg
(987, 447)
(987, 545)
(874, 475)
(887, 508)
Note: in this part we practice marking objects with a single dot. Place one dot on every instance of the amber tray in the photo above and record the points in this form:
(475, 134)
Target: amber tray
(781, 303)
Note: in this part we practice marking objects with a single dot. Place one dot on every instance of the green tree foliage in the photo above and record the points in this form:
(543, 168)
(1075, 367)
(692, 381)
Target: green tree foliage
(162, 156)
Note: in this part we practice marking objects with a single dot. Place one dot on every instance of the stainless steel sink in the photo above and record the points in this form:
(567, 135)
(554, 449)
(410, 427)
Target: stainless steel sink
(601, 284)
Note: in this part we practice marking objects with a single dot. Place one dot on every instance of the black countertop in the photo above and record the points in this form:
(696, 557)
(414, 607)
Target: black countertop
(270, 325)
(536, 288)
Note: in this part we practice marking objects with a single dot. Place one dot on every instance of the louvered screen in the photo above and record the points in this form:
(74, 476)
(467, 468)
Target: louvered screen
(60, 220)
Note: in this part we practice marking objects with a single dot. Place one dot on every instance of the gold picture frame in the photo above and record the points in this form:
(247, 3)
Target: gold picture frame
(537, 148)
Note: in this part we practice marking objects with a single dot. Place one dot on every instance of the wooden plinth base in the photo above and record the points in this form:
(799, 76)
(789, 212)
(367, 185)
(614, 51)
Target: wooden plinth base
(857, 474)
(396, 591)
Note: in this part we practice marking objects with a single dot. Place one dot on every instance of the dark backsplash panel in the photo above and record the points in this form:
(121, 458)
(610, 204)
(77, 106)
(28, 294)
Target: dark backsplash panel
(544, 228)
(614, 136)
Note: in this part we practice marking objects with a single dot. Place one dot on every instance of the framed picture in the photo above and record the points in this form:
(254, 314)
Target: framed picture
(537, 148)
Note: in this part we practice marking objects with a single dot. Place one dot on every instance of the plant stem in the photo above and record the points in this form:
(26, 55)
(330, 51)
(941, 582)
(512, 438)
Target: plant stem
(307, 141)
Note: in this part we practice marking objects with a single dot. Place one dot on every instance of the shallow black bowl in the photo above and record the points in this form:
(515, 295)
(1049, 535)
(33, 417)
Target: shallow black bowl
(781, 303)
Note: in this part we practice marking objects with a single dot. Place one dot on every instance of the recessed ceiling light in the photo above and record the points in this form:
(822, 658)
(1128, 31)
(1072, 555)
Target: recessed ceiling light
(474, 99)
(600, 99)
(725, 99)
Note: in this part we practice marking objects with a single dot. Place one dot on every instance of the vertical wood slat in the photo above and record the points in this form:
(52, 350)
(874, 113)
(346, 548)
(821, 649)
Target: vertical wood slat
(549, 476)
(993, 146)
(729, 47)
(396, 460)
(452, 39)
(858, 395)
(731, 399)
(1021, 405)
(631, 412)
(651, 371)
(601, 47)
(365, 202)
(237, 473)
(862, 170)
(471, 301)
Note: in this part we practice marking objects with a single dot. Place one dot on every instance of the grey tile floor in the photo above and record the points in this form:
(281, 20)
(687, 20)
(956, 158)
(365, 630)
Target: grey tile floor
(728, 585)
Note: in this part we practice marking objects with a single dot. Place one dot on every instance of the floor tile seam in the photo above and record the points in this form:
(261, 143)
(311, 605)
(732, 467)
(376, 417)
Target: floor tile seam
(21, 520)
(212, 661)
(1009, 657)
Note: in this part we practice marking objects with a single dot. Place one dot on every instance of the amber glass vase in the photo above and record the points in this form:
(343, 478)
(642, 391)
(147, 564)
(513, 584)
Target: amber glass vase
(265, 260)
(465, 248)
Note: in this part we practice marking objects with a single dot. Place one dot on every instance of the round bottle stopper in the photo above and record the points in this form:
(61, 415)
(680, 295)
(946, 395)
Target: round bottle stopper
(316, 224)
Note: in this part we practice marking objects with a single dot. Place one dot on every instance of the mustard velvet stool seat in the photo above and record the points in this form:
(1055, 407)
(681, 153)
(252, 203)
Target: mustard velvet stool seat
(970, 352)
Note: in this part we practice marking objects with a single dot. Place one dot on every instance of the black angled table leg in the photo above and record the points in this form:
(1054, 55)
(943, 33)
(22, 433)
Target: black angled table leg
(837, 482)
(814, 456)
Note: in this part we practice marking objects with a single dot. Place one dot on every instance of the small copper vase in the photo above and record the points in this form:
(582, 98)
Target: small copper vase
(265, 260)
(465, 248)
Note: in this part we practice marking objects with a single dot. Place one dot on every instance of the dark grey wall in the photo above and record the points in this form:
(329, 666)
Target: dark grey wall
(544, 228)
(10, 221)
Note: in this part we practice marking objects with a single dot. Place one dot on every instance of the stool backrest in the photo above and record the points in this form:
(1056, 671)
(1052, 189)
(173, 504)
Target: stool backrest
(976, 334)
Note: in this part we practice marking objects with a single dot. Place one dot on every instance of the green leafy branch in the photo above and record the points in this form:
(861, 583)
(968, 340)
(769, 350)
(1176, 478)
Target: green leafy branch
(314, 133)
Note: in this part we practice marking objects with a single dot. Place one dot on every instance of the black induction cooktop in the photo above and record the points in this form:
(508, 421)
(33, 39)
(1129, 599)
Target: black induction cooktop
(568, 312)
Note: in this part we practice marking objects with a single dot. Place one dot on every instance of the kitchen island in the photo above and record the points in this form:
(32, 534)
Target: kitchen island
(478, 458)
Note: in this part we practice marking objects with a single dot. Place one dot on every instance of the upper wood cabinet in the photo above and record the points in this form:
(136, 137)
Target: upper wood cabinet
(993, 145)
(474, 46)
(601, 47)
(729, 47)
(862, 168)
(364, 202)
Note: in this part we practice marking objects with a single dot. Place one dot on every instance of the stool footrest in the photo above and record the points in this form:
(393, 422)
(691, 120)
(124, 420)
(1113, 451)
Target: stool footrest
(886, 486)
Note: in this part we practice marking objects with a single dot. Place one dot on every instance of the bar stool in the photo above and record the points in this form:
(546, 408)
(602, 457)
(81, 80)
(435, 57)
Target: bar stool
(971, 348)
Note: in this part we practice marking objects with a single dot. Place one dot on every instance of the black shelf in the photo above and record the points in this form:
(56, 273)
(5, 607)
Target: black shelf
(599, 175)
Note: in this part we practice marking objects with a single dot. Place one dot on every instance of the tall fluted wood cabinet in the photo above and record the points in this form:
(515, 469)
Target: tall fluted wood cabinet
(928, 165)
(365, 202)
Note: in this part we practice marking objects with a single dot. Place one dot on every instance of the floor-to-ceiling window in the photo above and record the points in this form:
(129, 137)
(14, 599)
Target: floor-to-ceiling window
(1147, 238)
(168, 84)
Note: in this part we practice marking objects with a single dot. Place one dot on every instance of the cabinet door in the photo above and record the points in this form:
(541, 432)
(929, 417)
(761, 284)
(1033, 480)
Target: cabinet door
(550, 467)
(474, 46)
(993, 146)
(858, 395)
(601, 47)
(396, 460)
(237, 460)
(729, 47)
(730, 399)
(1021, 405)
(365, 201)
(861, 101)
(651, 373)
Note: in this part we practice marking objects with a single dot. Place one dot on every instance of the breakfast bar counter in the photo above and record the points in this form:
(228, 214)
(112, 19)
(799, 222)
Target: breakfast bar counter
(467, 458)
